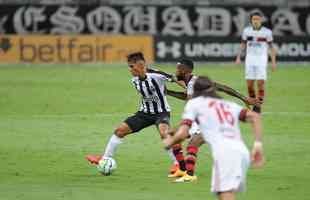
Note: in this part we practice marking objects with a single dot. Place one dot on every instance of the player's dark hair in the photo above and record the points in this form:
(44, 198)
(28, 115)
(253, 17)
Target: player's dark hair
(255, 14)
(205, 87)
(134, 57)
(187, 63)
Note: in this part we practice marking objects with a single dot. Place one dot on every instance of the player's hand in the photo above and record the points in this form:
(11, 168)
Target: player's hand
(238, 60)
(253, 101)
(257, 156)
(273, 67)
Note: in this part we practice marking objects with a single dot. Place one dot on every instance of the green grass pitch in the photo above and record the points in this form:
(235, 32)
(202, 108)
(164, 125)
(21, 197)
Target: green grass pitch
(51, 116)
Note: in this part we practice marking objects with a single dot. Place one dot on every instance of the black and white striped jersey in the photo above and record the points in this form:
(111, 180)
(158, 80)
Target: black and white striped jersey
(152, 91)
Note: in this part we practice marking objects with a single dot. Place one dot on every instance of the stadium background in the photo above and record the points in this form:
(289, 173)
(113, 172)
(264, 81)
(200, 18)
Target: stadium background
(206, 31)
(64, 87)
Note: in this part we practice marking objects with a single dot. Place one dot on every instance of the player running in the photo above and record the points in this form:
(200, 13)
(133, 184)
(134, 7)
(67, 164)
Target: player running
(219, 123)
(154, 109)
(256, 39)
(184, 73)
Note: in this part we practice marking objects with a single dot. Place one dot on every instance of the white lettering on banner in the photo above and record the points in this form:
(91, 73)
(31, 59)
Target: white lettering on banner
(213, 21)
(170, 21)
(283, 21)
(211, 49)
(26, 20)
(104, 20)
(163, 49)
(137, 21)
(176, 22)
(293, 49)
(308, 24)
(65, 21)
(2, 22)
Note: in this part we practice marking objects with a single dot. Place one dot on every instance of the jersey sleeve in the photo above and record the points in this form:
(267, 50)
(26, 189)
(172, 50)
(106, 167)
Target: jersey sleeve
(244, 35)
(269, 36)
(189, 114)
(160, 77)
(190, 89)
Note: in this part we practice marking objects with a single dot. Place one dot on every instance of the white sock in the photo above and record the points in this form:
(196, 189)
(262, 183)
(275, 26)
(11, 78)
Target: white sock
(171, 155)
(112, 145)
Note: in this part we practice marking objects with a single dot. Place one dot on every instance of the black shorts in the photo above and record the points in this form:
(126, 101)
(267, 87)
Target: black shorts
(141, 120)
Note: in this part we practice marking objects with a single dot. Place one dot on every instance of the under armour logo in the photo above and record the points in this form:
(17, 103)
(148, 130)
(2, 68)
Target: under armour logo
(164, 49)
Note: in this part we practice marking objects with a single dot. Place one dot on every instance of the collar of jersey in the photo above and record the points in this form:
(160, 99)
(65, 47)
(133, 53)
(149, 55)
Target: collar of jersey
(257, 29)
(142, 79)
(190, 78)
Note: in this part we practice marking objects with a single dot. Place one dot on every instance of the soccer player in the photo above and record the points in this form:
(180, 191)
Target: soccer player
(154, 109)
(218, 121)
(256, 39)
(184, 73)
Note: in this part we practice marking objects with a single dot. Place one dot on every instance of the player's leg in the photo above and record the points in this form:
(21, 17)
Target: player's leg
(131, 125)
(120, 132)
(252, 92)
(251, 88)
(191, 157)
(229, 195)
(191, 154)
(162, 129)
(163, 126)
(261, 93)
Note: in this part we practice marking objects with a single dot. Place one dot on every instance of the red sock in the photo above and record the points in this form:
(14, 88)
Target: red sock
(191, 159)
(178, 153)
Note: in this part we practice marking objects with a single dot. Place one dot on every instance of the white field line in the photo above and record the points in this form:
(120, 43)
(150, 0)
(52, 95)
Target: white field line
(106, 115)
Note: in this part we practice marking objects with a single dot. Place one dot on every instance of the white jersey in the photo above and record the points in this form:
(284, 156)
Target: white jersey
(257, 45)
(218, 120)
(190, 86)
(152, 91)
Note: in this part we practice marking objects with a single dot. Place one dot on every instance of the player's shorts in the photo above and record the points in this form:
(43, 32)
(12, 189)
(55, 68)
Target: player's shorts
(194, 130)
(229, 170)
(141, 120)
(255, 71)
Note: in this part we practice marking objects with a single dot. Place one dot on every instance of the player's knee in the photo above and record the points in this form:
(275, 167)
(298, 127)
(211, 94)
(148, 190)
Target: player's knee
(121, 131)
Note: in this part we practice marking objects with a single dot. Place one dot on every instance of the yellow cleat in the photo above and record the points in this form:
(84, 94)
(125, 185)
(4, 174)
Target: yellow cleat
(176, 174)
(186, 178)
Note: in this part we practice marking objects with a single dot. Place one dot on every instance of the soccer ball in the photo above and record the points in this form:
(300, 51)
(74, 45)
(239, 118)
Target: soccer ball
(106, 166)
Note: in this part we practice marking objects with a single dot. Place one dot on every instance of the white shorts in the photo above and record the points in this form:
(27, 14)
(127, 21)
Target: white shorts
(229, 170)
(194, 130)
(255, 72)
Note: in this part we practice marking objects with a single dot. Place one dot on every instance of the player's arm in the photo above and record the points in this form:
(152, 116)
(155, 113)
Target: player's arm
(234, 93)
(171, 77)
(257, 156)
(179, 136)
(241, 51)
(176, 94)
(273, 56)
